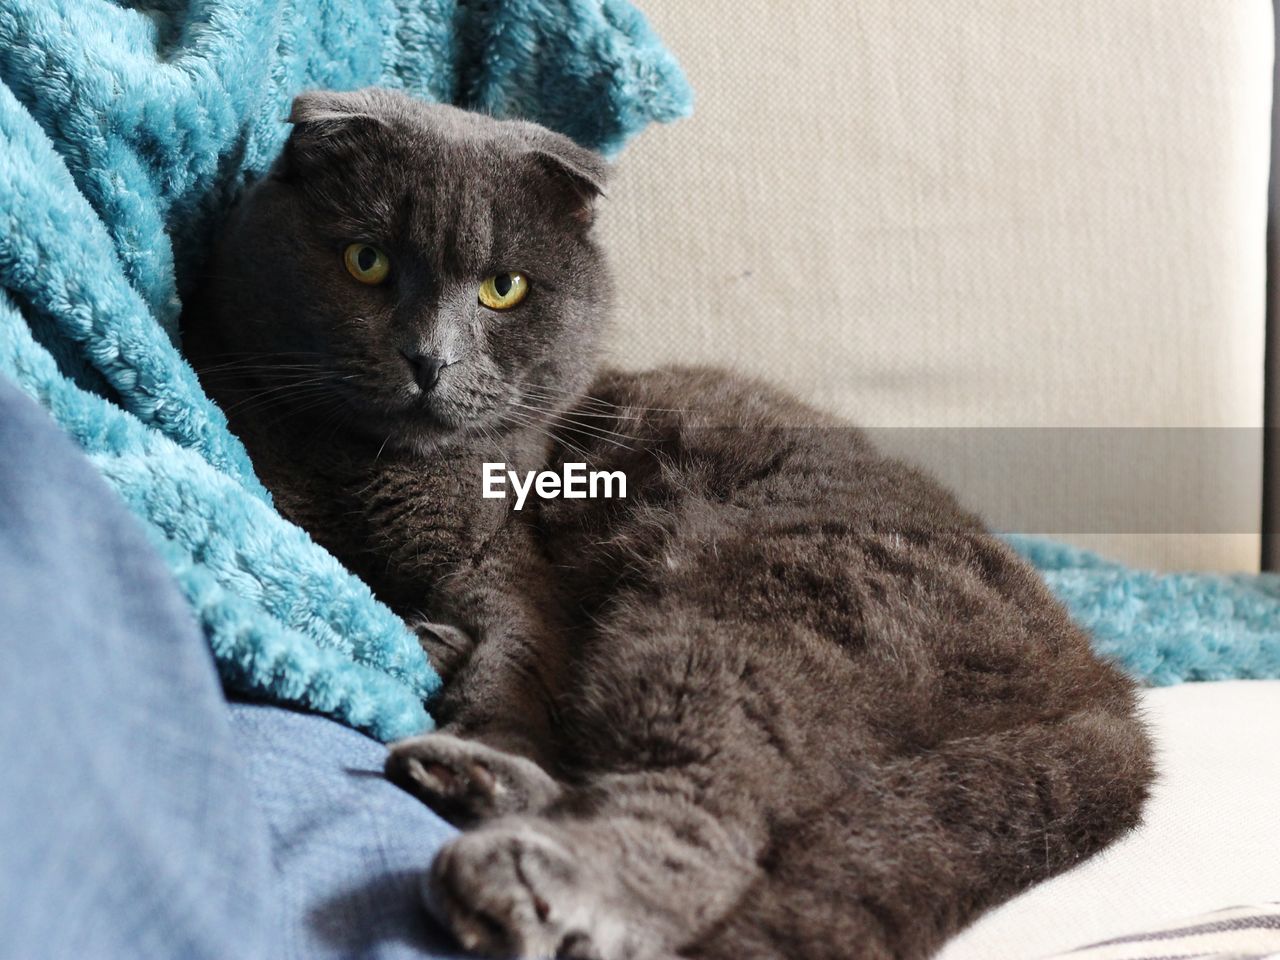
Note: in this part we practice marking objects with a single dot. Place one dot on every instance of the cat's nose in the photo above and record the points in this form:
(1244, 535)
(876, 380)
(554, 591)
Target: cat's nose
(426, 369)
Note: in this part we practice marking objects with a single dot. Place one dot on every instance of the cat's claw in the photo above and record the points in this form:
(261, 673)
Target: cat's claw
(466, 781)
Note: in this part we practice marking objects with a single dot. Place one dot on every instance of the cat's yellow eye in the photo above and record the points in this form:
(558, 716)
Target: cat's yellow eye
(366, 263)
(504, 291)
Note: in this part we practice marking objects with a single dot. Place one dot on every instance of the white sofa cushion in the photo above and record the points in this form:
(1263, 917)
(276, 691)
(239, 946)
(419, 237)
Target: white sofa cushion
(970, 213)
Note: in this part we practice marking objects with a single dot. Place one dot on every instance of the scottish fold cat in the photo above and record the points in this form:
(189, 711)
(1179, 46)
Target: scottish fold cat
(785, 699)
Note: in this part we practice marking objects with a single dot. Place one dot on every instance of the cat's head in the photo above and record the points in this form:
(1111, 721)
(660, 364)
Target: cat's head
(429, 271)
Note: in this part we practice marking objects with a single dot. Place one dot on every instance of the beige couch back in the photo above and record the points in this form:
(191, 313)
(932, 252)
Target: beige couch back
(977, 214)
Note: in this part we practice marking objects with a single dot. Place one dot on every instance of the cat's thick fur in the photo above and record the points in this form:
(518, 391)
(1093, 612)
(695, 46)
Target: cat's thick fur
(785, 700)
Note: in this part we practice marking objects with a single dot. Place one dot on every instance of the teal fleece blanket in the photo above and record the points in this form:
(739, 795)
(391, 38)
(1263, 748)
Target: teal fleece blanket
(1167, 628)
(127, 128)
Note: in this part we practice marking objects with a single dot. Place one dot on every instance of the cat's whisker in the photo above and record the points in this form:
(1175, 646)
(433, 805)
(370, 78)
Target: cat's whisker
(554, 393)
(341, 415)
(555, 406)
(277, 394)
(618, 414)
(561, 427)
(562, 391)
(567, 421)
(283, 413)
(519, 419)
(291, 409)
(572, 420)
(236, 382)
(258, 355)
(259, 403)
(492, 439)
(316, 402)
(263, 371)
(284, 389)
(266, 353)
(229, 359)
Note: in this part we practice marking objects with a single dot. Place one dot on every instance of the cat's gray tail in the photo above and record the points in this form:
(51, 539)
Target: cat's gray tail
(922, 845)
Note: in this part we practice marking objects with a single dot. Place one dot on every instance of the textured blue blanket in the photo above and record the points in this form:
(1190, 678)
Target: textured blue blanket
(1166, 628)
(126, 129)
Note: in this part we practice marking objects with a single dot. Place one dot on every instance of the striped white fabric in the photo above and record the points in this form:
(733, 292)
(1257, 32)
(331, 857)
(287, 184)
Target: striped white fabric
(1238, 933)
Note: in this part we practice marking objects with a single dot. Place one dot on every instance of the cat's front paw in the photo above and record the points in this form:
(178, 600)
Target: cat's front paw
(512, 891)
(466, 781)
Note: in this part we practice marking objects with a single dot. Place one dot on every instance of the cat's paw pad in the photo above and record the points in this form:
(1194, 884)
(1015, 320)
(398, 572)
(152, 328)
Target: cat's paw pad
(447, 773)
(467, 781)
(512, 892)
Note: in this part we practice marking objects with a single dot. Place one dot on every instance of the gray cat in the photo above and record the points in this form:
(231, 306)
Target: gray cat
(785, 700)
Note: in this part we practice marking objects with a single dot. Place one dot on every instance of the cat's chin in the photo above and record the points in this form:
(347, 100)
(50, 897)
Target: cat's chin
(420, 427)
(379, 430)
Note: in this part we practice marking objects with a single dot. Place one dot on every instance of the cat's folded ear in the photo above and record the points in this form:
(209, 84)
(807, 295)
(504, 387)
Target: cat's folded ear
(575, 175)
(325, 122)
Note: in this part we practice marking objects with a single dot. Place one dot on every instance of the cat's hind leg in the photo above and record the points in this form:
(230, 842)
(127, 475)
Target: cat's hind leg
(919, 846)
